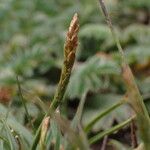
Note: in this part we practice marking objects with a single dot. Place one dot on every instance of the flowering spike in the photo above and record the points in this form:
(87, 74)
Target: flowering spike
(72, 38)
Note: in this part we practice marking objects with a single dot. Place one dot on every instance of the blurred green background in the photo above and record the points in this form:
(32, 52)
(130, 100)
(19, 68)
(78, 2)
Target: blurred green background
(32, 35)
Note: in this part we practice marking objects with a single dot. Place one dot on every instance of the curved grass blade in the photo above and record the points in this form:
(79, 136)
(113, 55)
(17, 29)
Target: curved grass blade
(101, 115)
(110, 131)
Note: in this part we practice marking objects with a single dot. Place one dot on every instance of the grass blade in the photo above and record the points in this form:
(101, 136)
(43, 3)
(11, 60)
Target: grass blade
(76, 123)
(101, 115)
(110, 131)
(78, 115)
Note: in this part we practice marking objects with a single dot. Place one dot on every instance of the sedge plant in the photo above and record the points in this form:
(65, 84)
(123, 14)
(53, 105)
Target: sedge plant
(69, 58)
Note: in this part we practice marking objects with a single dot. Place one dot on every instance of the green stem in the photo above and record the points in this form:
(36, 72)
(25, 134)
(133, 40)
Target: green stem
(64, 80)
(110, 131)
(109, 22)
(55, 102)
(101, 115)
(23, 102)
(135, 98)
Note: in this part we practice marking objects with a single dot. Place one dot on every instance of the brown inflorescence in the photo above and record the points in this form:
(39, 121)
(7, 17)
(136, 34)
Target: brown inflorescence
(69, 58)
(72, 38)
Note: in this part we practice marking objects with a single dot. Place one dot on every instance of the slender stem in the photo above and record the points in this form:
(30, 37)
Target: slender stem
(110, 131)
(60, 90)
(23, 102)
(135, 98)
(109, 22)
(102, 114)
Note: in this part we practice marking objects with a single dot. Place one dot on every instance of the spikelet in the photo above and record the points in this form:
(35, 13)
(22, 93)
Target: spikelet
(71, 41)
(72, 38)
